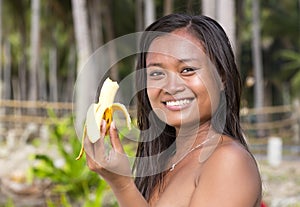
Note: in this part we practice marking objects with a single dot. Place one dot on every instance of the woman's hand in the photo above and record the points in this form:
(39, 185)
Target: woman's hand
(113, 166)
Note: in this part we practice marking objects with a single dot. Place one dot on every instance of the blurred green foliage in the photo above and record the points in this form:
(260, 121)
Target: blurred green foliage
(292, 69)
(9, 203)
(71, 181)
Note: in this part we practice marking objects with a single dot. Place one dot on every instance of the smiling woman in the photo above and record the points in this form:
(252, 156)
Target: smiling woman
(192, 151)
(192, 84)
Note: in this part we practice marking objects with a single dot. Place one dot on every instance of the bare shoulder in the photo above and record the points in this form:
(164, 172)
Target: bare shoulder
(229, 178)
(231, 154)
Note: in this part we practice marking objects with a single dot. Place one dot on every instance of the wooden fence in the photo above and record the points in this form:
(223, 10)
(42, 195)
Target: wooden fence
(275, 120)
(282, 121)
(21, 118)
(14, 111)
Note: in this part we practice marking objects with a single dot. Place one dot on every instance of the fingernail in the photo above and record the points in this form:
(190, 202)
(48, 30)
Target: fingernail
(103, 127)
(113, 125)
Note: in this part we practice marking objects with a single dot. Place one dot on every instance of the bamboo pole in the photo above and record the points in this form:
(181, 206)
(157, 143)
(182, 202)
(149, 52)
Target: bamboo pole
(36, 104)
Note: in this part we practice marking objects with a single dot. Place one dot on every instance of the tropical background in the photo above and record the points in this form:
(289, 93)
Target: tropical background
(44, 44)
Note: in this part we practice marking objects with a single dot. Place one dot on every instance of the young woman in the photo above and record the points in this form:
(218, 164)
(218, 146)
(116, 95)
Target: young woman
(192, 151)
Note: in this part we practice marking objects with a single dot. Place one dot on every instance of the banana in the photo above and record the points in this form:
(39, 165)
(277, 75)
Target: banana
(104, 109)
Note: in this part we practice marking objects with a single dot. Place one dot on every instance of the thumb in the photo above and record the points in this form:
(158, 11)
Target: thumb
(114, 138)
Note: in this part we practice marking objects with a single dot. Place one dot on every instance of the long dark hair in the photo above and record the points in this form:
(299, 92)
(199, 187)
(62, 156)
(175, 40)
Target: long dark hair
(161, 136)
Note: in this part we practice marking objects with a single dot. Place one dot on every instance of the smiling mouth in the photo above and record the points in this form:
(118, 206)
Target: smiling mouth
(181, 102)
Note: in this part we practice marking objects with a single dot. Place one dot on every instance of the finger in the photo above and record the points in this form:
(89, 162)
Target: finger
(91, 148)
(92, 164)
(103, 128)
(99, 146)
(114, 138)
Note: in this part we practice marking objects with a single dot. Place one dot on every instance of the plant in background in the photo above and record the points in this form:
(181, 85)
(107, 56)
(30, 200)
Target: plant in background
(292, 69)
(9, 203)
(71, 180)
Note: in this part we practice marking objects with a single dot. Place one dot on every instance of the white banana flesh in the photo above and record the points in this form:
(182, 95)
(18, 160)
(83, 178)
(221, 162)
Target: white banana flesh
(104, 109)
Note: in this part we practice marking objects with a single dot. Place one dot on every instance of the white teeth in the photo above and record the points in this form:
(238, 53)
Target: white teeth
(178, 103)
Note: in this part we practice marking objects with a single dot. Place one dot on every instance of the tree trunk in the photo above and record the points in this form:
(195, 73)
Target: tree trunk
(15, 84)
(86, 79)
(22, 76)
(96, 23)
(110, 34)
(257, 64)
(81, 31)
(209, 8)
(296, 125)
(7, 75)
(23, 63)
(71, 75)
(149, 12)
(239, 30)
(226, 17)
(139, 15)
(257, 56)
(7, 71)
(224, 12)
(189, 6)
(15, 91)
(53, 74)
(42, 82)
(168, 7)
(34, 48)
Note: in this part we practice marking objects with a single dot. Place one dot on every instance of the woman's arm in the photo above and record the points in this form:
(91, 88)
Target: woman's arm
(114, 168)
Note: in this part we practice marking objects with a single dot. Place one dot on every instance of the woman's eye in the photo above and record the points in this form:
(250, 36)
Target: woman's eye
(156, 74)
(188, 70)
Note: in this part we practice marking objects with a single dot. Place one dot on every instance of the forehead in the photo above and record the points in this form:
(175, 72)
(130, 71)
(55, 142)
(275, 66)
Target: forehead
(179, 44)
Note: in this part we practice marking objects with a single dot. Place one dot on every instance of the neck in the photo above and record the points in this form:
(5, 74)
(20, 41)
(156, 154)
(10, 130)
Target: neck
(188, 137)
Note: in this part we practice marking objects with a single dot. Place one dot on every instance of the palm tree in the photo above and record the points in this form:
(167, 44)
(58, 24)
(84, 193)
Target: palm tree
(226, 17)
(34, 48)
(292, 70)
(224, 12)
(85, 79)
(209, 8)
(149, 12)
(257, 56)
(168, 6)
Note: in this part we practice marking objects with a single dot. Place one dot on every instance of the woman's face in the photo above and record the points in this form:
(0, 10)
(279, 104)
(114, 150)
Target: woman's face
(183, 85)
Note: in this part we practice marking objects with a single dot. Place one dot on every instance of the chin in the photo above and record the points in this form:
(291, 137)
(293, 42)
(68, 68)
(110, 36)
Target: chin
(189, 124)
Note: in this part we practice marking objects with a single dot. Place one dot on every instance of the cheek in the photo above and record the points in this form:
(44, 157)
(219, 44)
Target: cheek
(208, 94)
(153, 94)
(213, 96)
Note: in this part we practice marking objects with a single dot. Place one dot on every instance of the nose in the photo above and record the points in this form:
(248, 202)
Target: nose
(173, 84)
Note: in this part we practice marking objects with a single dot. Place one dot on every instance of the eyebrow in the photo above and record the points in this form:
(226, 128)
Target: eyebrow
(179, 60)
(155, 64)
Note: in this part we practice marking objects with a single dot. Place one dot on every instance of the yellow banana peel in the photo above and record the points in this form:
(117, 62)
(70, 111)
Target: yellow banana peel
(104, 109)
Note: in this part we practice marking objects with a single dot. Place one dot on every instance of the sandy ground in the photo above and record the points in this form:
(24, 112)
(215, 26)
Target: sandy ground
(281, 184)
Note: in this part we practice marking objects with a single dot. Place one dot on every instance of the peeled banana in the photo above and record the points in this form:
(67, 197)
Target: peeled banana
(104, 109)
